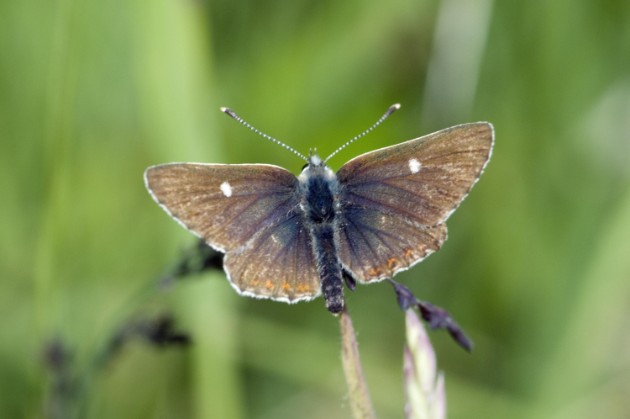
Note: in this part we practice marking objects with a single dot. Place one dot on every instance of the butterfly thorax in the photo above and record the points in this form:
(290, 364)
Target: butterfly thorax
(319, 202)
(320, 188)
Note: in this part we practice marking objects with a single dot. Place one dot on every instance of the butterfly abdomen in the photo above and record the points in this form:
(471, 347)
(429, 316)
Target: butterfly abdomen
(328, 266)
(319, 188)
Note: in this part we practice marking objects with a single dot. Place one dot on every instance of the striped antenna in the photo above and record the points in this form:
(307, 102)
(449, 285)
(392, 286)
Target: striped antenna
(390, 111)
(240, 120)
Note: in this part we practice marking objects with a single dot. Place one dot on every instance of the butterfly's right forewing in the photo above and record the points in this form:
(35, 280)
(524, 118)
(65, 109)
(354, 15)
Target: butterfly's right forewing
(396, 200)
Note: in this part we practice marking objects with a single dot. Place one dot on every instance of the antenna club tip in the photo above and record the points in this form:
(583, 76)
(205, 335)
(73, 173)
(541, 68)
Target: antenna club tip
(393, 108)
(228, 111)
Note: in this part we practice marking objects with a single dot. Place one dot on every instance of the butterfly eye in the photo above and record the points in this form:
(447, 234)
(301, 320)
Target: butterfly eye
(304, 167)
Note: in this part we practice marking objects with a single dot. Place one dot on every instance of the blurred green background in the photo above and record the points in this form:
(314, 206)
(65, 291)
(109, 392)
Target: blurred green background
(536, 270)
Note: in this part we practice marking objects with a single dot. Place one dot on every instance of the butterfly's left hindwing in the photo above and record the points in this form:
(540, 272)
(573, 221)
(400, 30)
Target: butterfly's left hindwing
(276, 263)
(395, 201)
(250, 212)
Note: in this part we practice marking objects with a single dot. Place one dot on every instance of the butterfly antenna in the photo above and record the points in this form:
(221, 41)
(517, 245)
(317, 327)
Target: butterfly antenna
(390, 111)
(240, 120)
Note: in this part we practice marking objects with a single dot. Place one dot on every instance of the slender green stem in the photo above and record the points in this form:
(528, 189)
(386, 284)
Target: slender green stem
(358, 393)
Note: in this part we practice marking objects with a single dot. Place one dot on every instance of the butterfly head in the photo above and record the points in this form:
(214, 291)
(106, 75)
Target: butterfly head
(313, 159)
(316, 167)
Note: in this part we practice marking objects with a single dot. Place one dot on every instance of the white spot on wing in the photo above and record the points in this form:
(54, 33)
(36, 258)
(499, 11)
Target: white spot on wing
(414, 165)
(226, 188)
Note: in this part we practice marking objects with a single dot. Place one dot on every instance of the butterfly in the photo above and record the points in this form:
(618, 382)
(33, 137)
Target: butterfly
(292, 238)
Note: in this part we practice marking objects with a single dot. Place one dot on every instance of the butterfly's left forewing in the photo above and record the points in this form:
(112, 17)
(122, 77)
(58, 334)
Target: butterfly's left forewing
(250, 212)
(395, 201)
(223, 204)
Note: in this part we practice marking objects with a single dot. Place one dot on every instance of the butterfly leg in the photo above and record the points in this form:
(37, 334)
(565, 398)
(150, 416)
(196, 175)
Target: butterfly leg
(351, 283)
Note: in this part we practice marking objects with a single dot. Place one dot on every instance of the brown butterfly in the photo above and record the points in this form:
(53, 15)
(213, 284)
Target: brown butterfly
(291, 238)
